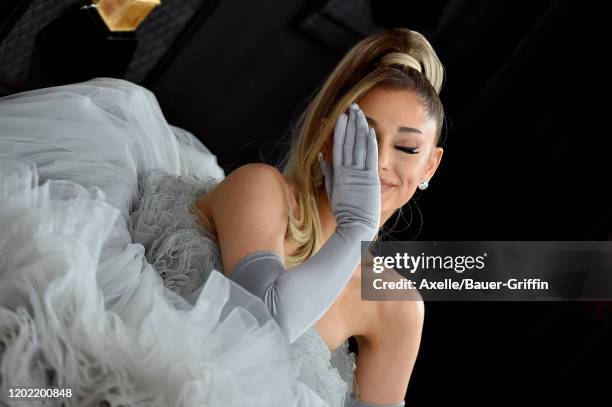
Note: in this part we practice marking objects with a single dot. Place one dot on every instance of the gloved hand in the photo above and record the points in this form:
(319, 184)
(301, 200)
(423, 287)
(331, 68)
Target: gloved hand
(352, 183)
(297, 299)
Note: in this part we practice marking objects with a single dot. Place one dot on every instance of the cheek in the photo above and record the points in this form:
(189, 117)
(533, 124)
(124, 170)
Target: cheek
(409, 182)
(407, 173)
(407, 190)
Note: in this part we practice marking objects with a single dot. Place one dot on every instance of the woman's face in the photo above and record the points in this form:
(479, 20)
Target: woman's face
(406, 150)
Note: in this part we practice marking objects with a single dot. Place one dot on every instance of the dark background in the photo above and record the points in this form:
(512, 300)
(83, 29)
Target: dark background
(525, 157)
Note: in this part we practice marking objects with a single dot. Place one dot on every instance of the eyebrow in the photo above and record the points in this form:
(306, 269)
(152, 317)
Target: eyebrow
(400, 129)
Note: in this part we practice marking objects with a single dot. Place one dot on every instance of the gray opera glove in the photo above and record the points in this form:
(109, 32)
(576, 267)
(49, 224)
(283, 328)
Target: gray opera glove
(298, 298)
(352, 183)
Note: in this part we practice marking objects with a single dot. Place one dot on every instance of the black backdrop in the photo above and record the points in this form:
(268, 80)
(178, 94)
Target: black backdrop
(525, 158)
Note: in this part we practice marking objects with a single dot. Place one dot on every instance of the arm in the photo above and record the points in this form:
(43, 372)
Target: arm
(299, 298)
(388, 352)
(250, 215)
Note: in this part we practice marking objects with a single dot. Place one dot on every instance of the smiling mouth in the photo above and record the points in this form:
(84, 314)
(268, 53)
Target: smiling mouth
(386, 187)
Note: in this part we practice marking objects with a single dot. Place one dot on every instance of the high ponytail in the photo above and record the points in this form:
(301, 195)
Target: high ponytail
(397, 58)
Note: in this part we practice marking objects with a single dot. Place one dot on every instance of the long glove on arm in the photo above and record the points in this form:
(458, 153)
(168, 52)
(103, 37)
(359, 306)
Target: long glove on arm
(297, 299)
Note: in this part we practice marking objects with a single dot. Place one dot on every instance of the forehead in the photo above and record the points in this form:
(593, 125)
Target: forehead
(392, 108)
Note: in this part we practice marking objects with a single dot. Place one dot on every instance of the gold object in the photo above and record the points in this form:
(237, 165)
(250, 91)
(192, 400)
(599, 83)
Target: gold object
(124, 15)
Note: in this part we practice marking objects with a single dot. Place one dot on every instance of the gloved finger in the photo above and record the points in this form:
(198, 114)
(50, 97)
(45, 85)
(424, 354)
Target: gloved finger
(339, 133)
(372, 152)
(349, 141)
(361, 140)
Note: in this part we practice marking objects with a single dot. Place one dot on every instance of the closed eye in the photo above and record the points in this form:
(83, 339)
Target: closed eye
(407, 150)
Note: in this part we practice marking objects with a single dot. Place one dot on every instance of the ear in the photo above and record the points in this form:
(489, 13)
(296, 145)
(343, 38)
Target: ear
(433, 162)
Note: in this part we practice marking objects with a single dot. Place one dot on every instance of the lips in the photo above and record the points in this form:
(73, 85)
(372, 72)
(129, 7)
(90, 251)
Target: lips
(386, 184)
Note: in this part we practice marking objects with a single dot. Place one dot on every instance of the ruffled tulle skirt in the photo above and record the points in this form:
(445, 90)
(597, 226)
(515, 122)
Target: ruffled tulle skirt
(115, 295)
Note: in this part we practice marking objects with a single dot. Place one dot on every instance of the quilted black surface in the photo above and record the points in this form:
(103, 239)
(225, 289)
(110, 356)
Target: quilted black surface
(20, 57)
(340, 23)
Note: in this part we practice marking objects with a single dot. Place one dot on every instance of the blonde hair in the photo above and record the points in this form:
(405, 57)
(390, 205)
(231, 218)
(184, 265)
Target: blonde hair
(397, 58)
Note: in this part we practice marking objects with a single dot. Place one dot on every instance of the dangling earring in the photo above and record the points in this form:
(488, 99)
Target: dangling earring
(423, 184)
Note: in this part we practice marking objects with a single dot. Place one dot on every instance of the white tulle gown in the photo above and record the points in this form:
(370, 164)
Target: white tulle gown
(108, 284)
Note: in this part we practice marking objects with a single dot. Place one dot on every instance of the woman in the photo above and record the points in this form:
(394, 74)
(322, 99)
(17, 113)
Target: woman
(83, 302)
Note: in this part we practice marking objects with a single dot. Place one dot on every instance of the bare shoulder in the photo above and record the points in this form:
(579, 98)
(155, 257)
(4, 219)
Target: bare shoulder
(266, 175)
(388, 321)
(395, 317)
(249, 209)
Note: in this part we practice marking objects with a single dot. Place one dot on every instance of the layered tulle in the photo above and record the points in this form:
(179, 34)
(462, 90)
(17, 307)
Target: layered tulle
(108, 284)
(185, 254)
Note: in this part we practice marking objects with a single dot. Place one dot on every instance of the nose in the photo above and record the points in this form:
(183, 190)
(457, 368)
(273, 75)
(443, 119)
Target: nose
(384, 155)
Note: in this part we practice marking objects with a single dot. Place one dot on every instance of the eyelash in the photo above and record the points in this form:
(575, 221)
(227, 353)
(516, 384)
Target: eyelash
(407, 150)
